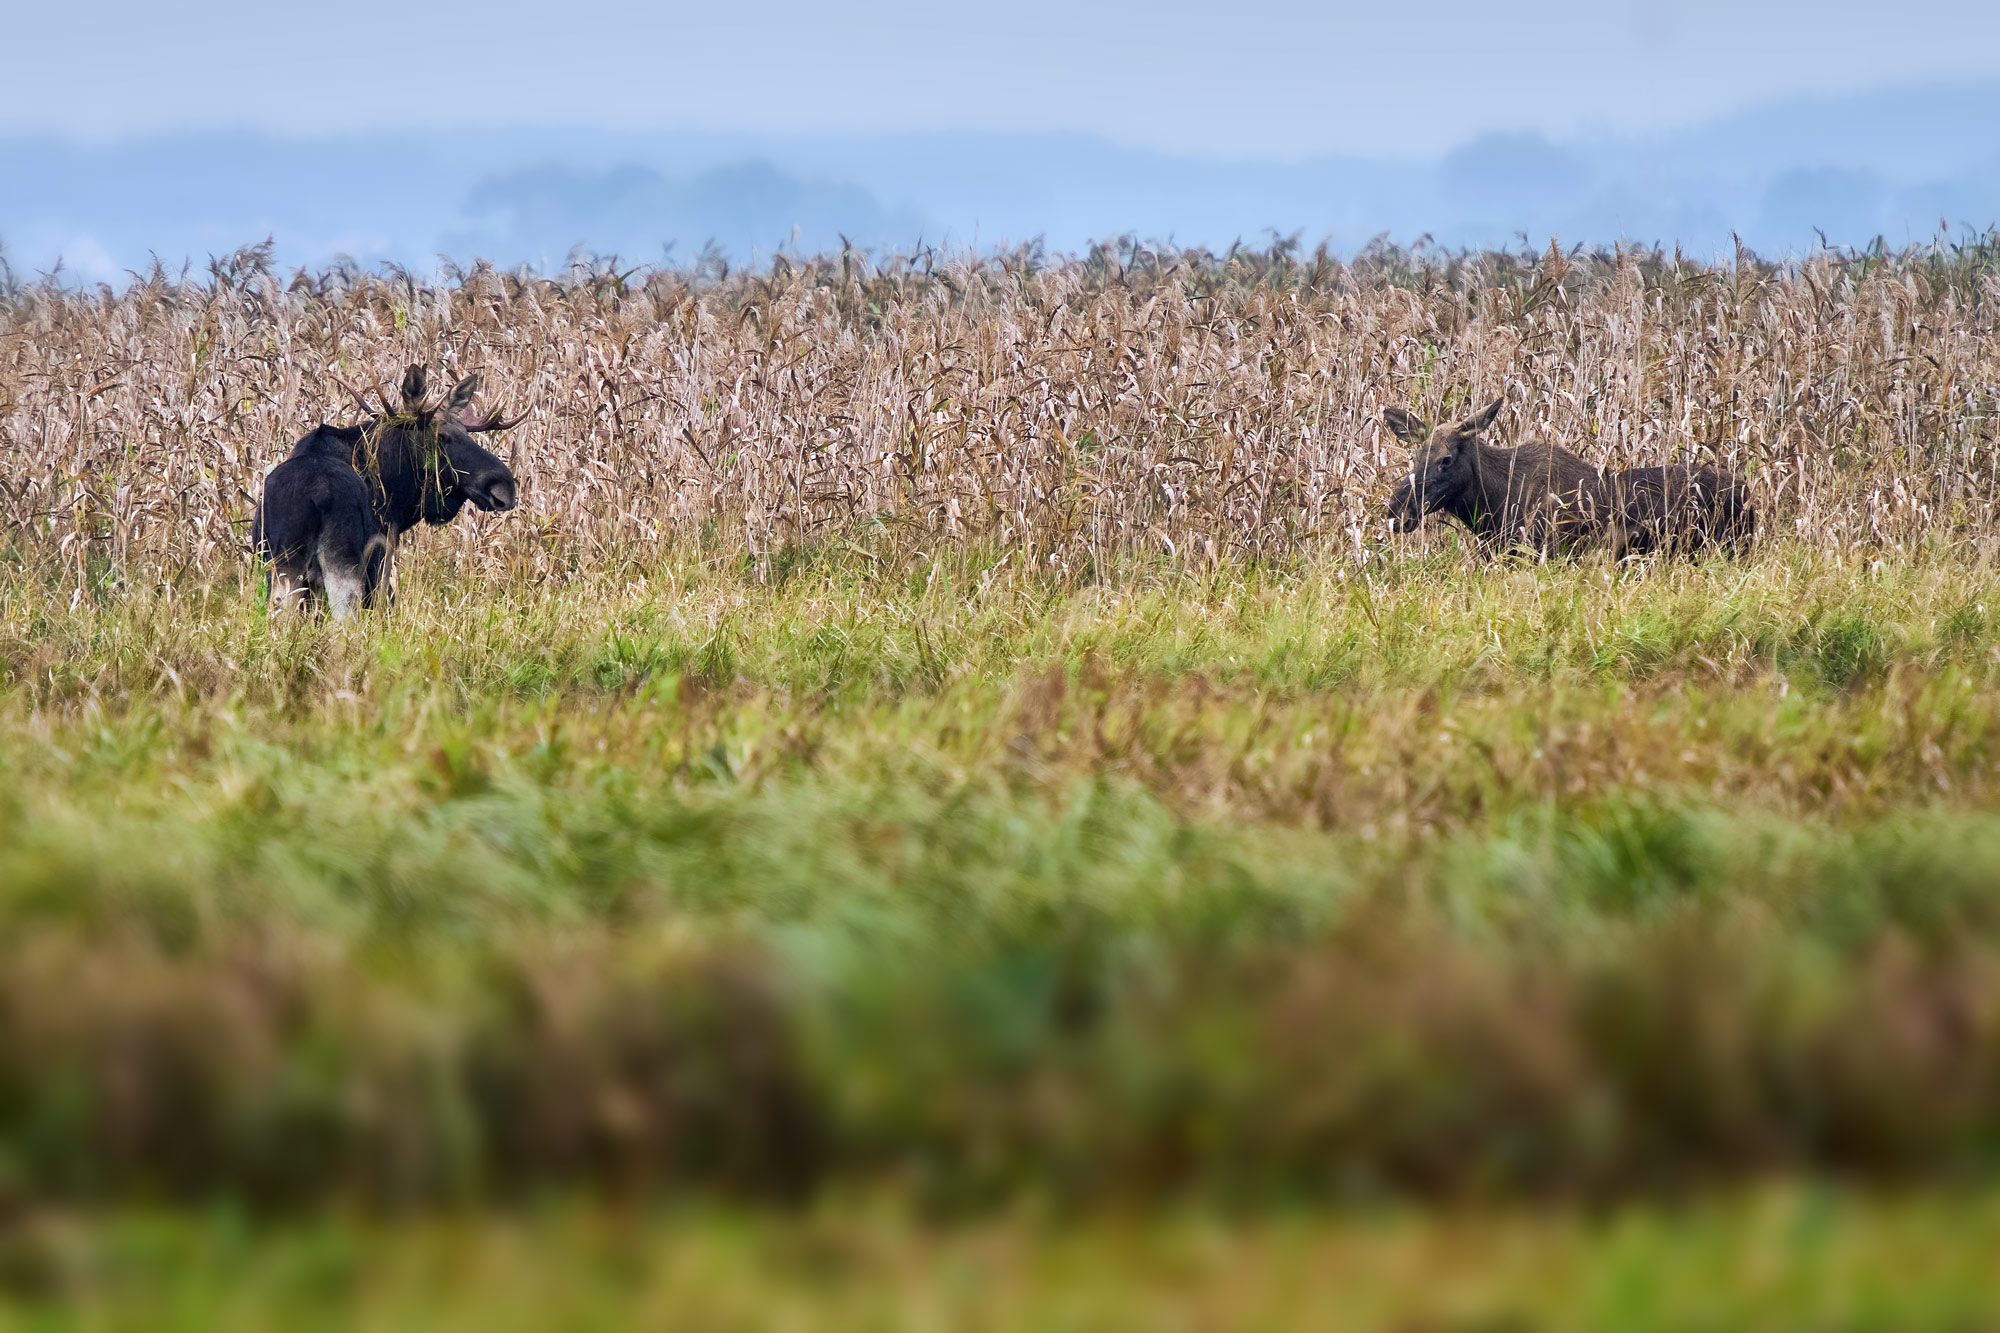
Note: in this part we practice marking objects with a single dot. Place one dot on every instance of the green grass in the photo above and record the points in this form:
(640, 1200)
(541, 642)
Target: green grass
(1786, 1259)
(1265, 887)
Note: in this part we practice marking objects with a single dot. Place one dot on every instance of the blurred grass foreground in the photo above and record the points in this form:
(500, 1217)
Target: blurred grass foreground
(1424, 944)
(1783, 1259)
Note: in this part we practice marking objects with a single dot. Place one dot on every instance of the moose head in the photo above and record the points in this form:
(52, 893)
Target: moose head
(422, 458)
(1444, 463)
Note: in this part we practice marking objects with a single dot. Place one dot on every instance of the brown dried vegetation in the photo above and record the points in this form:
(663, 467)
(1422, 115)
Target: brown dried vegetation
(1073, 411)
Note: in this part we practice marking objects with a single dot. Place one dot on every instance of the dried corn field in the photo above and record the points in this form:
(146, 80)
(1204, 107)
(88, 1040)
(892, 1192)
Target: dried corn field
(1127, 401)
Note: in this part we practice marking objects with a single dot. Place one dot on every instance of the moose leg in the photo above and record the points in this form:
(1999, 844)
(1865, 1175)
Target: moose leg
(352, 552)
(346, 588)
(1740, 525)
(291, 590)
(377, 567)
(392, 540)
(349, 561)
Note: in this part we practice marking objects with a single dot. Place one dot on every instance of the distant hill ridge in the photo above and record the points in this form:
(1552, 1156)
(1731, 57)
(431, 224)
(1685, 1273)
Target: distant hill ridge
(1893, 162)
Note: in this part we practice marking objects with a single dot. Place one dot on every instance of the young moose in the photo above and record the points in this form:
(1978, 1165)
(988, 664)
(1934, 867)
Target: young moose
(1539, 495)
(334, 511)
(1546, 498)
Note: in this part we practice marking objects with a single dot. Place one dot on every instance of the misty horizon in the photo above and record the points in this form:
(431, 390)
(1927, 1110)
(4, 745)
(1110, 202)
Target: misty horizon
(1896, 163)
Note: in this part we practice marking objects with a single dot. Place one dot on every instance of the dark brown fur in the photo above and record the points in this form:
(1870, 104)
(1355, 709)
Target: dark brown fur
(1538, 495)
(1679, 509)
(1546, 498)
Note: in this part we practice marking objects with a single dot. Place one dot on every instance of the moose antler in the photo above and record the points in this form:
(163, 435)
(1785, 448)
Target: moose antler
(354, 393)
(478, 422)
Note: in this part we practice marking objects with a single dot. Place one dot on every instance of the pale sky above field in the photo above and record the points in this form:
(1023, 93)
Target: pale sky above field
(1255, 78)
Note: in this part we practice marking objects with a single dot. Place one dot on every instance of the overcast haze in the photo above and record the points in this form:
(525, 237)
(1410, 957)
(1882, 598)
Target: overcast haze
(1243, 79)
(515, 131)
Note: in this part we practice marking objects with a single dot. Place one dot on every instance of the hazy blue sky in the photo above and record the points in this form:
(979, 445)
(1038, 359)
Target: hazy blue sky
(1266, 78)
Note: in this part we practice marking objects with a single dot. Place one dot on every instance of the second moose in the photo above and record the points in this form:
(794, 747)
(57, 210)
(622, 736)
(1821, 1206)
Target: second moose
(1548, 499)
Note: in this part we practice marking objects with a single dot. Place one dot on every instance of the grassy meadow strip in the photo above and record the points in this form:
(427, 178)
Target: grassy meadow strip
(1260, 885)
(1777, 1259)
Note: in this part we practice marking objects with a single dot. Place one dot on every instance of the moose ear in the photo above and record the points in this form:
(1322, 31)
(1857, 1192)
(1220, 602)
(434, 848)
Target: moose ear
(1484, 417)
(1406, 426)
(415, 380)
(461, 394)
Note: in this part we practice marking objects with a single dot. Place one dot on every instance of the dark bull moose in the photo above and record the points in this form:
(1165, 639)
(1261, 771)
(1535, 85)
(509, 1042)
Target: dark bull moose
(334, 511)
(1544, 497)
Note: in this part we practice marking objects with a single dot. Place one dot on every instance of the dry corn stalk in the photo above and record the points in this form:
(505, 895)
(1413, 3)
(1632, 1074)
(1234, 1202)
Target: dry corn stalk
(1073, 410)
